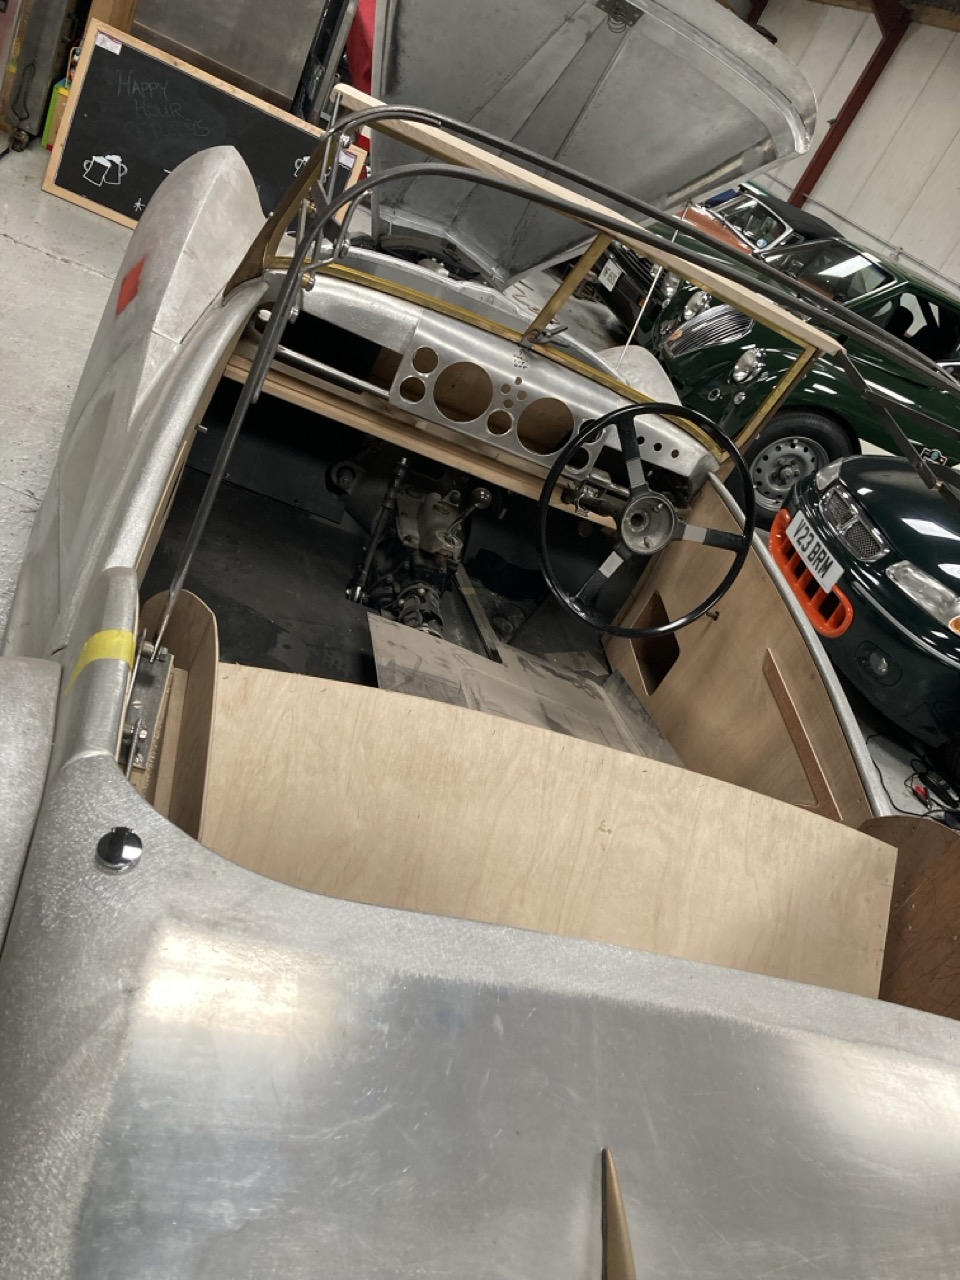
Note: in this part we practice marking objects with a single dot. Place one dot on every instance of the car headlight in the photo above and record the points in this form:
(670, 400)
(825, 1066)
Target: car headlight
(748, 366)
(669, 284)
(826, 475)
(932, 596)
(696, 303)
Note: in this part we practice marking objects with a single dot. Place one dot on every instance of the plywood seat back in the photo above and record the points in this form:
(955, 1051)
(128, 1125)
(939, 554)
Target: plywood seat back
(402, 802)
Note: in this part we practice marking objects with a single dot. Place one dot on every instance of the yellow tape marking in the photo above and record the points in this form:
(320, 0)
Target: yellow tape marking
(114, 643)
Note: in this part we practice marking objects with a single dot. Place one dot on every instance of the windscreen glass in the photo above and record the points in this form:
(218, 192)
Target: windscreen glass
(833, 268)
(926, 323)
(753, 221)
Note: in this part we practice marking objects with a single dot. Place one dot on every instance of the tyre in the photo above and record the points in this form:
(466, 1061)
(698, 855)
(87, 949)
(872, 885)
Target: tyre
(795, 444)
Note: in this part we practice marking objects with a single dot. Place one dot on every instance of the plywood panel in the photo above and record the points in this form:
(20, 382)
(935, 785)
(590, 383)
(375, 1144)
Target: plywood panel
(838, 52)
(719, 704)
(891, 100)
(930, 235)
(794, 23)
(114, 13)
(383, 798)
(916, 149)
(921, 966)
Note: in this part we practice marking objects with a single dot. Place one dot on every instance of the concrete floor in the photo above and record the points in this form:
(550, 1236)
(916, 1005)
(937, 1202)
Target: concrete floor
(57, 265)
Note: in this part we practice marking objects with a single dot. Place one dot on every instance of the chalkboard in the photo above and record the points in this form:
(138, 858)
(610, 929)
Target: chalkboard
(134, 113)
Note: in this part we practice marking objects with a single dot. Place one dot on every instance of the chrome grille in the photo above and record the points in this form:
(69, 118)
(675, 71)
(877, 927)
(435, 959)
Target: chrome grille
(860, 537)
(836, 506)
(710, 328)
(642, 268)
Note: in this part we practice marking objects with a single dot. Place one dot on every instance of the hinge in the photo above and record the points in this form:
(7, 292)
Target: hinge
(622, 13)
(149, 690)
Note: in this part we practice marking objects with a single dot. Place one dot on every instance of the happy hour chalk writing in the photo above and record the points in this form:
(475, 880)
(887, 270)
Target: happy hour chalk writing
(151, 102)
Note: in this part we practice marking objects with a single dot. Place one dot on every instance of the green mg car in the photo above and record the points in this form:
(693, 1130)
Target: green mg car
(724, 364)
(872, 554)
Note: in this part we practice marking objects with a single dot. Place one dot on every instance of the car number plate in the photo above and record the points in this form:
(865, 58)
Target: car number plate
(610, 274)
(813, 553)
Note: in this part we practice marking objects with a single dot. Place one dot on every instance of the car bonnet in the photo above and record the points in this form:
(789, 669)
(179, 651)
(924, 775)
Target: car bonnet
(665, 101)
(920, 524)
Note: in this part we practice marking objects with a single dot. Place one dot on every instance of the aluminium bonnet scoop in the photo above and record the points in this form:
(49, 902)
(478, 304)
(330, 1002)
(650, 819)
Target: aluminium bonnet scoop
(667, 101)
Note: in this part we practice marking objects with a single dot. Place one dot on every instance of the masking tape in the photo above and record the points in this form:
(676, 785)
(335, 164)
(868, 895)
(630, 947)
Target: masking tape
(114, 643)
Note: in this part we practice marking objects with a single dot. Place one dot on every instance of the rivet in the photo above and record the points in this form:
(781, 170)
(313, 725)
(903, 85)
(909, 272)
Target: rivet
(119, 850)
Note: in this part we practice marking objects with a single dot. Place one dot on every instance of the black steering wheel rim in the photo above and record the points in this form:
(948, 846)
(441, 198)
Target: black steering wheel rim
(744, 539)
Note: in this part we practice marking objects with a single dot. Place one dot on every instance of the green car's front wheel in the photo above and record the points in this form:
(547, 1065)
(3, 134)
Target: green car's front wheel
(794, 444)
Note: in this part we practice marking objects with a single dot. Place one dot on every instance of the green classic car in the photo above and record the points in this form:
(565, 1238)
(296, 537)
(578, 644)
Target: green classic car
(747, 219)
(723, 363)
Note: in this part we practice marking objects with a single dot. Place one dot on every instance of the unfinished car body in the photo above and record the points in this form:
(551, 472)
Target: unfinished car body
(393, 926)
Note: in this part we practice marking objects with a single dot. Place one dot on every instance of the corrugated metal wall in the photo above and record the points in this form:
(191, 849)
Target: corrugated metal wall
(895, 179)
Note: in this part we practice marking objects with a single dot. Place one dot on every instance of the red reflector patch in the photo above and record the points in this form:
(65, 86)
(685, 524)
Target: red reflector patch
(130, 286)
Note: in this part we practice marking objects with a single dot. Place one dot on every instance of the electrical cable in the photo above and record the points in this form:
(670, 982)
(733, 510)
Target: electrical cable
(928, 811)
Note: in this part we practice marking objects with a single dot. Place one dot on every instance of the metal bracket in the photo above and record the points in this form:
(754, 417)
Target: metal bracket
(533, 336)
(622, 13)
(144, 707)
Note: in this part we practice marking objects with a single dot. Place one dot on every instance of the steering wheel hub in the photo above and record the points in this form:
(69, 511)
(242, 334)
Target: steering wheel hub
(647, 523)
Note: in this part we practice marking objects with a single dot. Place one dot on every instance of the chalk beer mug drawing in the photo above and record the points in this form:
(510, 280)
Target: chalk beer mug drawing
(104, 169)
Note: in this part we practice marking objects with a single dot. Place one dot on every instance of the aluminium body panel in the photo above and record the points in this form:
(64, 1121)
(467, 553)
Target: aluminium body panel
(212, 1075)
(668, 105)
(163, 332)
(512, 385)
(29, 689)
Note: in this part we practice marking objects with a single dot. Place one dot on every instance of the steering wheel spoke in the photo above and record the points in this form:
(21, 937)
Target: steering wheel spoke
(620, 554)
(708, 537)
(630, 449)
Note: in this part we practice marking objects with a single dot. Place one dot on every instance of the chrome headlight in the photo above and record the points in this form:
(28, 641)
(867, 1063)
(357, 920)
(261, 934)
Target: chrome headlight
(826, 475)
(669, 284)
(696, 303)
(748, 366)
(932, 596)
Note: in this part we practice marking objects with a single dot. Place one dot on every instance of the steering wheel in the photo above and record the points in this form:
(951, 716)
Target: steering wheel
(648, 521)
